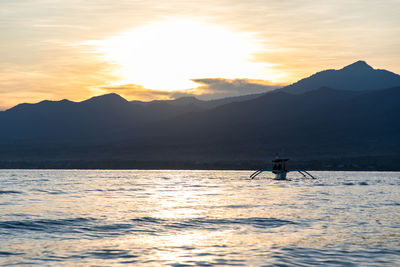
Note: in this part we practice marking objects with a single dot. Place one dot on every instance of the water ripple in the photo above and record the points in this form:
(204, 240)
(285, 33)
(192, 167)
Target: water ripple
(197, 218)
(99, 228)
(109, 254)
(8, 254)
(10, 192)
(332, 257)
(45, 225)
(255, 222)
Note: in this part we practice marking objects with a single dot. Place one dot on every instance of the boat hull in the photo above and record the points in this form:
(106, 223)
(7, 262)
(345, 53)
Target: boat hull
(280, 175)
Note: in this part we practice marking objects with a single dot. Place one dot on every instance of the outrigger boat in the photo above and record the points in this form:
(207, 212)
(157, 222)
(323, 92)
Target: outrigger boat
(280, 171)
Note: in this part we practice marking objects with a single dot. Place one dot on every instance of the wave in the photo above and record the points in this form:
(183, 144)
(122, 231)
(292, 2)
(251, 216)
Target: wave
(97, 228)
(45, 225)
(10, 192)
(218, 223)
(293, 256)
(8, 254)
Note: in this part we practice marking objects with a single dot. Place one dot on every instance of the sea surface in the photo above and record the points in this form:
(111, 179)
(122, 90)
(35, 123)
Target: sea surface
(198, 218)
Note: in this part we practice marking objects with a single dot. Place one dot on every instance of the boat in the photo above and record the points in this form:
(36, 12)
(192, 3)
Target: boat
(279, 168)
(280, 171)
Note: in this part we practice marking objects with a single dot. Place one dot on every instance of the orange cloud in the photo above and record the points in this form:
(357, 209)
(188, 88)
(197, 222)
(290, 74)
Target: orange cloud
(210, 88)
(218, 87)
(138, 92)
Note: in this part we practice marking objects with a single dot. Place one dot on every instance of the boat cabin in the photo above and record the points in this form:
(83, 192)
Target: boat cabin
(279, 165)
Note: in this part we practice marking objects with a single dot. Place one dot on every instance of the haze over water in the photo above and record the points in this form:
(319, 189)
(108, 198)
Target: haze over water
(203, 218)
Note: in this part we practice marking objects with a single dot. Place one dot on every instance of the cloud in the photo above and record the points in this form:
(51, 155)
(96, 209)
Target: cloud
(138, 92)
(210, 88)
(52, 79)
(38, 61)
(219, 87)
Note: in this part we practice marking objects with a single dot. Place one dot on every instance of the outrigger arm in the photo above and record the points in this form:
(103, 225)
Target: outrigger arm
(256, 173)
(303, 171)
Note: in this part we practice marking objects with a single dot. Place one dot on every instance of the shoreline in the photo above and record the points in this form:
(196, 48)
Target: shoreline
(360, 163)
(179, 168)
(51, 169)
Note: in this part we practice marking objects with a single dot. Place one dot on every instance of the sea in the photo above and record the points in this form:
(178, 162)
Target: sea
(198, 218)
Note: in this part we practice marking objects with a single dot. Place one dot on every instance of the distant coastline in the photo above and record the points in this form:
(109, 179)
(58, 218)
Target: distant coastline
(365, 163)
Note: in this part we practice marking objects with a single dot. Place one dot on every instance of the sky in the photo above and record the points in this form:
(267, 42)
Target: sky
(145, 50)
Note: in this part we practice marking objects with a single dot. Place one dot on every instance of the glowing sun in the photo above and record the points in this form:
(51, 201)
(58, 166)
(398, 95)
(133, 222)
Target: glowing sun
(167, 54)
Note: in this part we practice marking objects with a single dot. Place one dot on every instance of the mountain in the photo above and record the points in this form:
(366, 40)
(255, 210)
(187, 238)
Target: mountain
(281, 119)
(322, 126)
(98, 117)
(63, 120)
(201, 104)
(358, 76)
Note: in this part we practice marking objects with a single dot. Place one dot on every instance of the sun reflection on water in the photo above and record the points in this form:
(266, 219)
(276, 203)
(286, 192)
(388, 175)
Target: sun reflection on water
(192, 218)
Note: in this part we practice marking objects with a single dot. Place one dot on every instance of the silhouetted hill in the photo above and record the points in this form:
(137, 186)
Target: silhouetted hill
(320, 126)
(98, 117)
(182, 101)
(282, 115)
(358, 76)
(197, 104)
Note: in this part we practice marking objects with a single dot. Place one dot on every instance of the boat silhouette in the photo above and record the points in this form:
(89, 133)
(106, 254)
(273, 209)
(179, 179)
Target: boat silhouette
(280, 170)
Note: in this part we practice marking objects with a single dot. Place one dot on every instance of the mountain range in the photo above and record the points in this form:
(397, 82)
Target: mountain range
(358, 76)
(334, 119)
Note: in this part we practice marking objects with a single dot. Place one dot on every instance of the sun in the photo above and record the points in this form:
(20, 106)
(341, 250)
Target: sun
(168, 54)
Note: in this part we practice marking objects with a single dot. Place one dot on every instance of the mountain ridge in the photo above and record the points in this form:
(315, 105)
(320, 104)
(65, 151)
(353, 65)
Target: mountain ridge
(324, 122)
(358, 76)
(310, 83)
